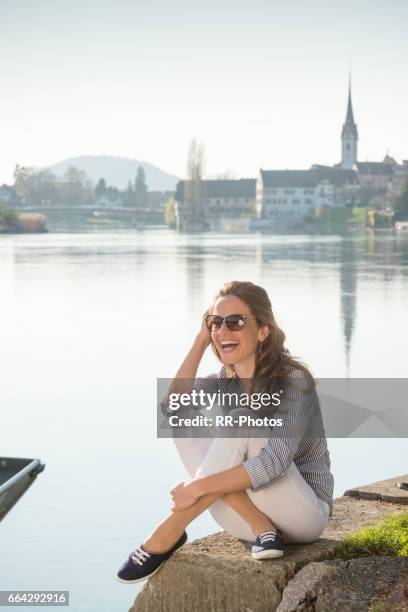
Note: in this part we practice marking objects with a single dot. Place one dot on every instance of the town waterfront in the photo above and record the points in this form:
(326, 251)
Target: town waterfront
(90, 320)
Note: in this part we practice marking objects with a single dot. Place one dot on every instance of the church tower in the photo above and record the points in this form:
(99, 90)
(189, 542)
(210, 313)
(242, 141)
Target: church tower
(349, 138)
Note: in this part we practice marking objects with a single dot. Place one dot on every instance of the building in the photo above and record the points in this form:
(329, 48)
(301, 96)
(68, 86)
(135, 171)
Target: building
(349, 138)
(378, 180)
(285, 193)
(335, 186)
(376, 176)
(296, 193)
(292, 195)
(399, 177)
(216, 200)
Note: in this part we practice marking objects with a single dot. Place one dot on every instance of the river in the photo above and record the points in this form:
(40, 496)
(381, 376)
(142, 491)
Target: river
(90, 320)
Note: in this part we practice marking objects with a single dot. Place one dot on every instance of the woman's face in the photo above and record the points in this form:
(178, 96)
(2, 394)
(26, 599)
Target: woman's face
(236, 347)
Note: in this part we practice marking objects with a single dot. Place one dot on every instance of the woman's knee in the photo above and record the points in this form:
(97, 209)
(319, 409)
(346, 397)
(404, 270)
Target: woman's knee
(229, 520)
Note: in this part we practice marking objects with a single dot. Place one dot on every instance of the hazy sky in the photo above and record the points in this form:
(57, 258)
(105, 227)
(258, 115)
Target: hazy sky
(260, 83)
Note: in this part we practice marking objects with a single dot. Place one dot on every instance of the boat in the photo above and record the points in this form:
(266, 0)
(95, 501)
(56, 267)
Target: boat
(16, 476)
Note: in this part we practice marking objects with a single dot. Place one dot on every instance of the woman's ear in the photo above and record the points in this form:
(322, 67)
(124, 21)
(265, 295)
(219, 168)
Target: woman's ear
(264, 333)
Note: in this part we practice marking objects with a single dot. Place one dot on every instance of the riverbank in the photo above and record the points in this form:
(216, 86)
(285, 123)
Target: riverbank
(217, 573)
(12, 222)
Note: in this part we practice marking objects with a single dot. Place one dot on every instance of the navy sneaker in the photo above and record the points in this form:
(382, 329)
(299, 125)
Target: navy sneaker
(268, 545)
(141, 564)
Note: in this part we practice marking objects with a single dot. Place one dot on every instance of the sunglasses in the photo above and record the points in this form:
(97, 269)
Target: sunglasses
(234, 322)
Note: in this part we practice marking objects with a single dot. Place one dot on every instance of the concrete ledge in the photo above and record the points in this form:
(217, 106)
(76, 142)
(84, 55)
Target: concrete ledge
(218, 574)
(386, 490)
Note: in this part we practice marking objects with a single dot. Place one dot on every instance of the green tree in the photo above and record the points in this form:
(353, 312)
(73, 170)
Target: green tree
(100, 189)
(8, 216)
(129, 195)
(401, 202)
(140, 187)
(113, 195)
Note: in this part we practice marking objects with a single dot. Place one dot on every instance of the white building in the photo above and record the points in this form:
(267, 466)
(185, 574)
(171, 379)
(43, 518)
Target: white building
(285, 193)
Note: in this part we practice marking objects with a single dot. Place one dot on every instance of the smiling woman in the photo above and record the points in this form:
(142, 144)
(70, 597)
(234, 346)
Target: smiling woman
(262, 487)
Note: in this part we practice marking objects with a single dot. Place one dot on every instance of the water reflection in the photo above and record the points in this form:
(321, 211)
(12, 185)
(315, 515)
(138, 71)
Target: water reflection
(88, 321)
(348, 294)
(348, 258)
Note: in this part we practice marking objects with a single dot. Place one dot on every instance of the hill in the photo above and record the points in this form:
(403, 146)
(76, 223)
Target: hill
(117, 171)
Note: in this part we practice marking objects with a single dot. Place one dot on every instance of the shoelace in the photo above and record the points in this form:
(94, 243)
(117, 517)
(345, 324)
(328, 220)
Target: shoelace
(268, 536)
(140, 556)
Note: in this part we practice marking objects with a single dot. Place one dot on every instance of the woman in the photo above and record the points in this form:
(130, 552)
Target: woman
(266, 488)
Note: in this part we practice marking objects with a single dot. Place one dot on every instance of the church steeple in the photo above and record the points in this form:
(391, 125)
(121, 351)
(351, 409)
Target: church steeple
(349, 137)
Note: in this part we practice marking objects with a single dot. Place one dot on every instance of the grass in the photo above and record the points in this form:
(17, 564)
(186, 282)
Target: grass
(379, 606)
(7, 215)
(388, 538)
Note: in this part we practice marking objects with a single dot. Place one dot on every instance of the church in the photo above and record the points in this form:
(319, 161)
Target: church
(285, 193)
(291, 194)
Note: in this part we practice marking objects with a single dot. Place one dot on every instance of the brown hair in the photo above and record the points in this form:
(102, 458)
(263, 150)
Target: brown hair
(275, 360)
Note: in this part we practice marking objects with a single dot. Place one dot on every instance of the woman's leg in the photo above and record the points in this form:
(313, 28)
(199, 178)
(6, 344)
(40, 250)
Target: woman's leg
(192, 452)
(232, 453)
(289, 502)
(170, 530)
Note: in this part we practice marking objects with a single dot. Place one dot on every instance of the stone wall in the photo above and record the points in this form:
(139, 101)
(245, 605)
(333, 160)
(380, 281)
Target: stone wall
(218, 574)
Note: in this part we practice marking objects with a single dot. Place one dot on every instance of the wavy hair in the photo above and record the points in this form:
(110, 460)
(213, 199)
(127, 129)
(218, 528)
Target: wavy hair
(275, 361)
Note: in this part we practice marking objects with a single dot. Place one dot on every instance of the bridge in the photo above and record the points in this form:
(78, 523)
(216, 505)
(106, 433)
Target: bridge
(90, 208)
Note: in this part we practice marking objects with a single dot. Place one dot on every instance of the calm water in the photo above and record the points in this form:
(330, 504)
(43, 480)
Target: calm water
(89, 321)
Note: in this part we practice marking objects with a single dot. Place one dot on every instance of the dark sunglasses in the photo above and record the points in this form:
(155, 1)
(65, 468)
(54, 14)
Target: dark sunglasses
(234, 322)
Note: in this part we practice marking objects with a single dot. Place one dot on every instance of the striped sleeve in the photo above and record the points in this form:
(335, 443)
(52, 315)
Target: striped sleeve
(296, 410)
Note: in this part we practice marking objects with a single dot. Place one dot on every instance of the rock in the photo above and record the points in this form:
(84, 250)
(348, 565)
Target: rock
(301, 593)
(356, 585)
(386, 490)
(218, 574)
(351, 514)
(366, 583)
(194, 580)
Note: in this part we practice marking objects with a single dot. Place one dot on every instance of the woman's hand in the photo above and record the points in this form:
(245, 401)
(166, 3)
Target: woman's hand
(183, 495)
(204, 335)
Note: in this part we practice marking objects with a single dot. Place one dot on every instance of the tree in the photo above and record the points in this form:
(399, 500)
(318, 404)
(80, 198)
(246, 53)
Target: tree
(401, 202)
(40, 187)
(378, 202)
(113, 195)
(140, 187)
(195, 171)
(35, 187)
(100, 189)
(76, 188)
(129, 195)
(170, 213)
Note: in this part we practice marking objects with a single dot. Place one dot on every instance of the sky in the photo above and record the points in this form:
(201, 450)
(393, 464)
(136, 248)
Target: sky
(259, 84)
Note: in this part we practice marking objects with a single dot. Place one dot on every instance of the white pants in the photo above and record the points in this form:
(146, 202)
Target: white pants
(289, 501)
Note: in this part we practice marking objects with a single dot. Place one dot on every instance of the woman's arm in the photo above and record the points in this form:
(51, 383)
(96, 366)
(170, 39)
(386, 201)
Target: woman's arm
(272, 461)
(184, 378)
(186, 493)
(227, 481)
